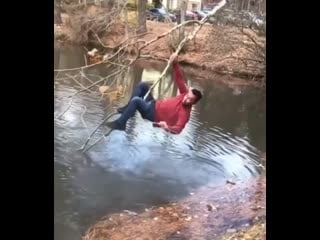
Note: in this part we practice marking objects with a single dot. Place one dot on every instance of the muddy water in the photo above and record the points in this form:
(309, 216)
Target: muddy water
(146, 166)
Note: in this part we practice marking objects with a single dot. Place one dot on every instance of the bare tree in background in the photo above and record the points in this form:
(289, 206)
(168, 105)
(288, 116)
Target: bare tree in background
(57, 12)
(257, 6)
(108, 3)
(168, 4)
(183, 9)
(158, 3)
(142, 16)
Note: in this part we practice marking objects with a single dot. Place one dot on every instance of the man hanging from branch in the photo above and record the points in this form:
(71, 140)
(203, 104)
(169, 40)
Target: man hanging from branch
(170, 114)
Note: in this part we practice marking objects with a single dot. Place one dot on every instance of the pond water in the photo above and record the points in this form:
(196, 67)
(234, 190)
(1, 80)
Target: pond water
(146, 166)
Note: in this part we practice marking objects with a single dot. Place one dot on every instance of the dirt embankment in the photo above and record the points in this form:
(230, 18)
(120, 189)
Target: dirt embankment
(231, 211)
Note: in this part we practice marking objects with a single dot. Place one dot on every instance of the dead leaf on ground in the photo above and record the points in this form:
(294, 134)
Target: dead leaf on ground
(211, 207)
(230, 182)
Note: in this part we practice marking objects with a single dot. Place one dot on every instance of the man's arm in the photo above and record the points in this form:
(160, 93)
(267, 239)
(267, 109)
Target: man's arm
(178, 77)
(179, 126)
(177, 74)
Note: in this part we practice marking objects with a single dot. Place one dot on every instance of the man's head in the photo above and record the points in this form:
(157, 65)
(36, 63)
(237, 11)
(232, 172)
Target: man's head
(192, 97)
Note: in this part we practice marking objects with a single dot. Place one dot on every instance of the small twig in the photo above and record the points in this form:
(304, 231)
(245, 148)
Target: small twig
(94, 75)
(70, 103)
(65, 78)
(153, 57)
(252, 39)
(99, 139)
(76, 81)
(82, 120)
(129, 38)
(93, 132)
(87, 50)
(85, 59)
(168, 32)
(103, 61)
(96, 35)
(78, 68)
(61, 79)
(86, 89)
(103, 79)
(84, 76)
(116, 64)
(56, 77)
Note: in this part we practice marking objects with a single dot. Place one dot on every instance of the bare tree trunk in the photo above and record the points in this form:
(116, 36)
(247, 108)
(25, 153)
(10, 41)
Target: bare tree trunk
(243, 4)
(136, 5)
(111, 4)
(83, 2)
(183, 9)
(108, 4)
(57, 12)
(126, 19)
(142, 26)
(157, 4)
(239, 4)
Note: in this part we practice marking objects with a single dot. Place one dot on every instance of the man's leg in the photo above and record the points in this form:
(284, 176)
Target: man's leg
(137, 103)
(140, 91)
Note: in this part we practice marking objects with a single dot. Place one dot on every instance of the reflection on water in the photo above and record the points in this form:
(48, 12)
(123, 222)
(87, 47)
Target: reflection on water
(146, 166)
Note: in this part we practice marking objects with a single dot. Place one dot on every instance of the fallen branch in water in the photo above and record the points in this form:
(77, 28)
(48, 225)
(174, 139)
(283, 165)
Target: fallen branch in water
(93, 132)
(85, 59)
(116, 64)
(99, 139)
(69, 106)
(63, 78)
(85, 77)
(78, 68)
(82, 120)
(101, 80)
(88, 89)
(99, 40)
(74, 79)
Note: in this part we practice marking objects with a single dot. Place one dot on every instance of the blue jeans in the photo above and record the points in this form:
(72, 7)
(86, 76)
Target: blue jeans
(145, 107)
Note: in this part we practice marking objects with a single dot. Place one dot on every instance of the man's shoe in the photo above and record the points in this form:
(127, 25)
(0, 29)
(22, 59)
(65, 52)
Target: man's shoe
(121, 109)
(115, 125)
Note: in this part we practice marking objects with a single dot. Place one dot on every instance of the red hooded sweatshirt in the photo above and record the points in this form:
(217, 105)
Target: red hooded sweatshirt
(171, 110)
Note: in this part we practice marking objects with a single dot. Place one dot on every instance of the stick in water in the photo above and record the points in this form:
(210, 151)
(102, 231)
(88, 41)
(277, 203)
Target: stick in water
(103, 136)
(93, 132)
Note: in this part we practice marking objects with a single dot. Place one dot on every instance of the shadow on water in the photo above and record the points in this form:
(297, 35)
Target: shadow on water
(146, 166)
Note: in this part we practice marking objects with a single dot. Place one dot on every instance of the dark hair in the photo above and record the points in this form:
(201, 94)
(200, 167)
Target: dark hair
(197, 93)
